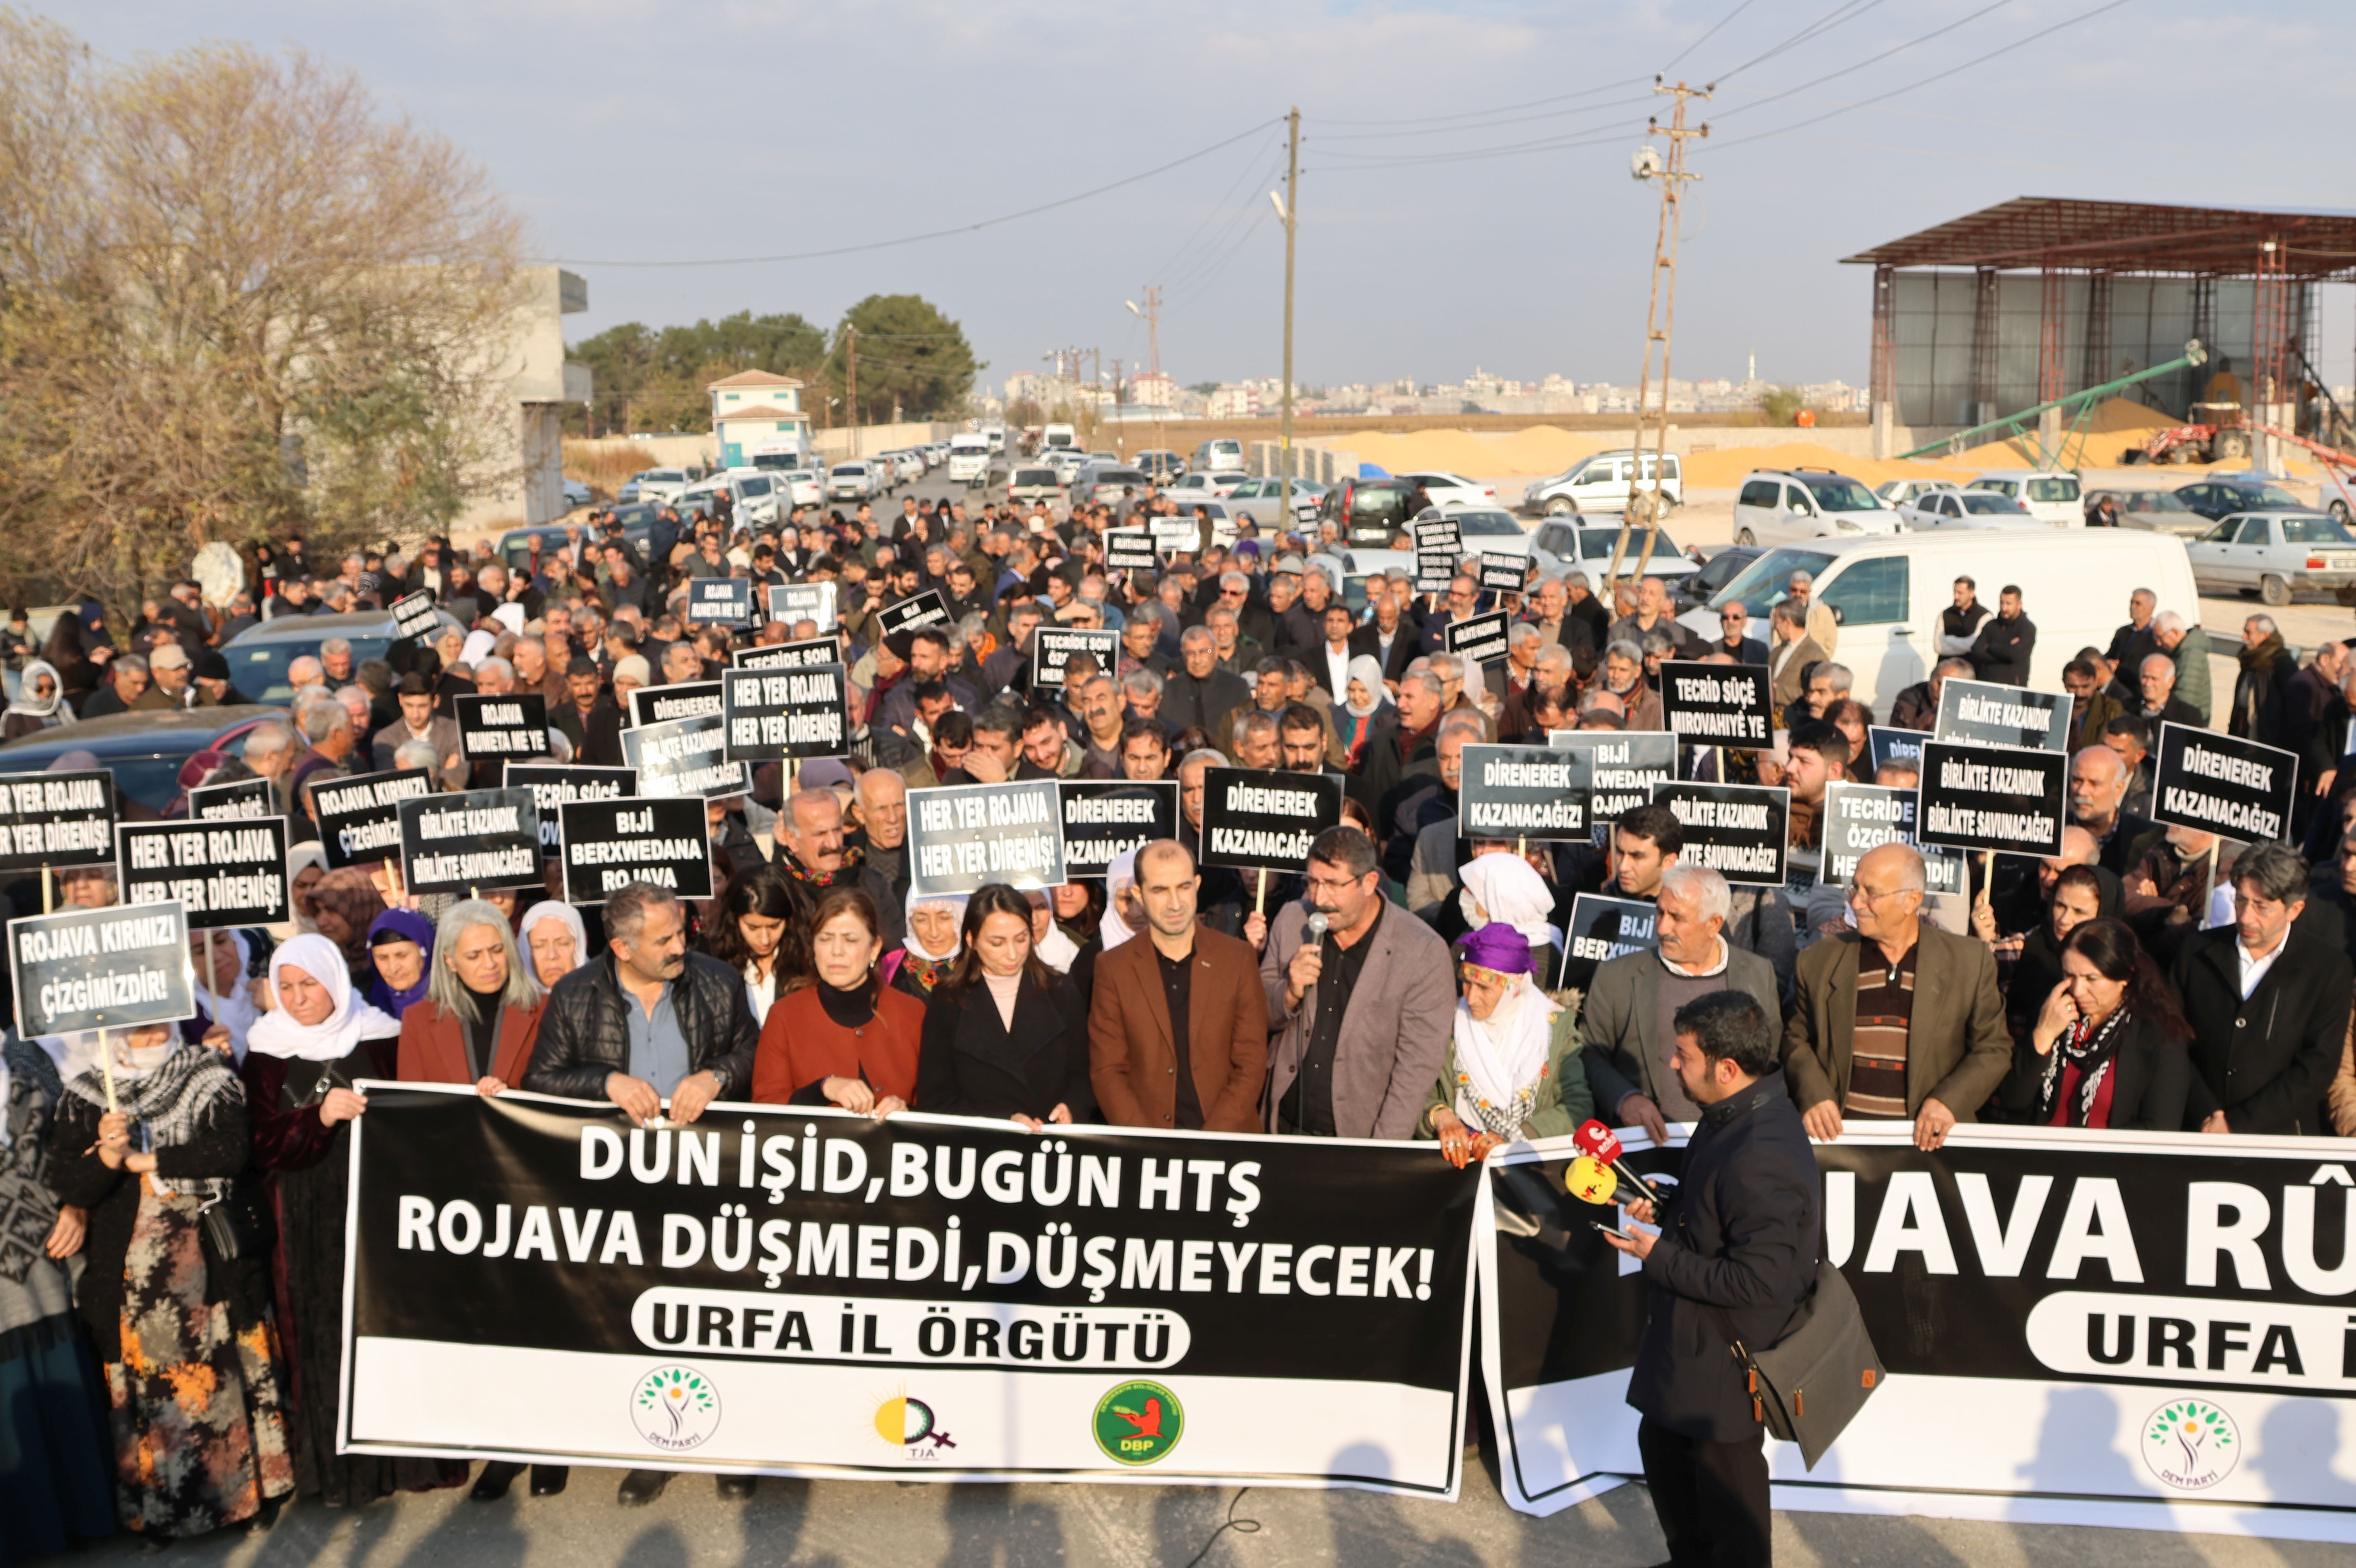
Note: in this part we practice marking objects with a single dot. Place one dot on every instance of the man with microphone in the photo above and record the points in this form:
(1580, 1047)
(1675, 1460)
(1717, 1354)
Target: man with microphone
(1735, 1256)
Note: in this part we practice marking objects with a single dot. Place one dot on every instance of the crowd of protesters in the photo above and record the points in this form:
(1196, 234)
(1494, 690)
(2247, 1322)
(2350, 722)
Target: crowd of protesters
(2105, 988)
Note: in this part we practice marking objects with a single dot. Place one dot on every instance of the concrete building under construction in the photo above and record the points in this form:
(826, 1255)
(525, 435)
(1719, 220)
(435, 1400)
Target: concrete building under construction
(2036, 298)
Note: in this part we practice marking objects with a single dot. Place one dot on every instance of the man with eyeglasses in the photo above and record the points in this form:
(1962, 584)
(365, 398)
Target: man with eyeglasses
(1463, 597)
(1734, 635)
(1896, 1019)
(1362, 1014)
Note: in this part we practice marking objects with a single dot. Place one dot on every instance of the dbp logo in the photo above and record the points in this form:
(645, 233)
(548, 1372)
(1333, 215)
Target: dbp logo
(1138, 1423)
(2190, 1444)
(675, 1408)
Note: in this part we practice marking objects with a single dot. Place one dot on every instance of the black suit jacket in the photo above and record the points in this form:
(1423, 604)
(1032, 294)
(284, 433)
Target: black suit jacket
(2263, 1060)
(972, 1064)
(1366, 642)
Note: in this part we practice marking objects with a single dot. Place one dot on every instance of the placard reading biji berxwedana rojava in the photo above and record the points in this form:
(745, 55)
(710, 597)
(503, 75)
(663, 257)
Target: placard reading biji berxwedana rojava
(609, 844)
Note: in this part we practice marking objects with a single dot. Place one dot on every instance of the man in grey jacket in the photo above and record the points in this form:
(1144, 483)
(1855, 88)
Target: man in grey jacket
(1630, 1003)
(1361, 1016)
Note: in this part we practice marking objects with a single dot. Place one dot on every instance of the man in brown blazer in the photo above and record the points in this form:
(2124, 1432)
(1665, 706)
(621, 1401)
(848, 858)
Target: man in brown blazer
(1178, 981)
(1898, 1019)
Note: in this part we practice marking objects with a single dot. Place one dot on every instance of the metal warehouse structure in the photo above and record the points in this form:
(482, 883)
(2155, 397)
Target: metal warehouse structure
(2036, 298)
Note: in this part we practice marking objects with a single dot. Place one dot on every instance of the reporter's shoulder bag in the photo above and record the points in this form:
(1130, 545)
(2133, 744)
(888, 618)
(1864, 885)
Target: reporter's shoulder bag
(1810, 1384)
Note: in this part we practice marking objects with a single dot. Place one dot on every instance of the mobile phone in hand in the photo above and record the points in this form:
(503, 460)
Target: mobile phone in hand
(1612, 1230)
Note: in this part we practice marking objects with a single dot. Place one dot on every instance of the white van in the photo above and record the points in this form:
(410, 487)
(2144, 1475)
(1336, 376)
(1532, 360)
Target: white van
(1599, 484)
(1888, 591)
(2050, 497)
(969, 458)
(1057, 435)
(1218, 454)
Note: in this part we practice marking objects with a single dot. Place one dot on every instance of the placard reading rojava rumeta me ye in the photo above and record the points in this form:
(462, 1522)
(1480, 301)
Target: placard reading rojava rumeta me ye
(780, 713)
(964, 835)
(1717, 704)
(512, 724)
(482, 839)
(101, 968)
(794, 603)
(2007, 798)
(2216, 783)
(56, 820)
(606, 845)
(1522, 791)
(1740, 831)
(225, 873)
(720, 602)
(360, 819)
(651, 705)
(1265, 820)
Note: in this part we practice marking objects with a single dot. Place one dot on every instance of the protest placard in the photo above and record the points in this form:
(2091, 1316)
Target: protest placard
(1522, 791)
(514, 724)
(1603, 928)
(1051, 648)
(1740, 831)
(1265, 820)
(607, 844)
(788, 656)
(245, 798)
(82, 969)
(1477, 640)
(719, 602)
(414, 614)
(1993, 715)
(1718, 704)
(1980, 796)
(780, 713)
(1885, 746)
(926, 609)
(56, 820)
(794, 603)
(222, 872)
(1504, 571)
(556, 785)
(2219, 783)
(966, 835)
(684, 757)
(360, 819)
(480, 839)
(681, 699)
(1104, 817)
(1130, 549)
(1622, 766)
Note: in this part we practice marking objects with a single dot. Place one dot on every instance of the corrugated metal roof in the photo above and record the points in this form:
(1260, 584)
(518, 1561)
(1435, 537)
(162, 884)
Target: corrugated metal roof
(2128, 237)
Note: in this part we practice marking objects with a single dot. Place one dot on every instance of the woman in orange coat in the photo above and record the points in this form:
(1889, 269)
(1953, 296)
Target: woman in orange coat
(844, 1038)
(476, 1024)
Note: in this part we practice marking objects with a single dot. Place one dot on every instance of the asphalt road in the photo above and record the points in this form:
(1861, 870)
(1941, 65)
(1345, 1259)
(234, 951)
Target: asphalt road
(874, 1524)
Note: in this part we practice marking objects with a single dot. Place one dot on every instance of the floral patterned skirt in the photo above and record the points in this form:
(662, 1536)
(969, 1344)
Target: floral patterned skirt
(199, 1436)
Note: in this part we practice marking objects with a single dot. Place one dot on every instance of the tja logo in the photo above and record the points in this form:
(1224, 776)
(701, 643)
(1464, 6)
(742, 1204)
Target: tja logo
(912, 1426)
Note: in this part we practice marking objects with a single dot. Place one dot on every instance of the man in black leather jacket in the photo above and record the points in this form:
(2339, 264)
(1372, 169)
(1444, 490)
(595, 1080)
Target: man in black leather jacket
(1737, 1245)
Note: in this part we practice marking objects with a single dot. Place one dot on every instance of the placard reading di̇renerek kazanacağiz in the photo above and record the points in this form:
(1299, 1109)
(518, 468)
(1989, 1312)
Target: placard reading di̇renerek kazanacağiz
(1102, 817)
(1265, 820)
(1522, 791)
(2220, 783)
(652, 705)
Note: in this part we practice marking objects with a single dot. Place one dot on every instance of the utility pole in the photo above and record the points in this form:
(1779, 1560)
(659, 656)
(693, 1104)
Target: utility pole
(1660, 317)
(1152, 316)
(1289, 210)
(851, 391)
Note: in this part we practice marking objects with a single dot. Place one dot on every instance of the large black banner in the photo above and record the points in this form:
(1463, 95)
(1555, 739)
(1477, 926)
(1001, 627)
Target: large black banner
(2216, 783)
(1977, 796)
(225, 873)
(800, 1291)
(2118, 1323)
(1104, 817)
(966, 835)
(1623, 768)
(360, 819)
(56, 820)
(1522, 791)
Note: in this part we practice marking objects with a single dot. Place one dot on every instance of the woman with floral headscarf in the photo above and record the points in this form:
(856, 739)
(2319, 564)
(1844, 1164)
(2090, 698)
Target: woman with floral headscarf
(344, 909)
(182, 1332)
(931, 946)
(316, 1039)
(1510, 1072)
(1500, 885)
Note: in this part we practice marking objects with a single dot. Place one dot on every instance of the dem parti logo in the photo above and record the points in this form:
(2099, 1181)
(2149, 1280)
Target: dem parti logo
(675, 1408)
(2190, 1444)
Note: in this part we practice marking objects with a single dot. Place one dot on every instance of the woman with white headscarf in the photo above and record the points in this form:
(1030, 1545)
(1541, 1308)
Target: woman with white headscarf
(931, 944)
(314, 1039)
(40, 703)
(1512, 1070)
(224, 990)
(1363, 702)
(1502, 886)
(554, 942)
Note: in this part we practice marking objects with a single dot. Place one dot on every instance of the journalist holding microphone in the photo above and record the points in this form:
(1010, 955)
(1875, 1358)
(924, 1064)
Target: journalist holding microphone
(1735, 1258)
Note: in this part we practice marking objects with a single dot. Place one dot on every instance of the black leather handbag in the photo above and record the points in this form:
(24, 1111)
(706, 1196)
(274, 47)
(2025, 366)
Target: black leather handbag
(1810, 1384)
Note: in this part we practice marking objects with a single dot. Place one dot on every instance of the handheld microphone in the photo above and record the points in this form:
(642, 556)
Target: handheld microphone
(1590, 1180)
(1317, 924)
(1603, 1145)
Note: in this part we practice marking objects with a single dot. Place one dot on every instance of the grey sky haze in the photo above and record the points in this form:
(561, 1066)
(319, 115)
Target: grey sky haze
(661, 130)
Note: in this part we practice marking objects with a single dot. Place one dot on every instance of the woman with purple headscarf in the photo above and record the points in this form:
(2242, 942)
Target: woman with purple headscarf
(1511, 1072)
(401, 960)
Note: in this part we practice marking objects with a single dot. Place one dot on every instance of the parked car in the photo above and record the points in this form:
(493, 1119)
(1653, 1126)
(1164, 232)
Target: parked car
(2048, 497)
(1897, 493)
(854, 480)
(259, 656)
(803, 487)
(1065, 460)
(1599, 484)
(1447, 490)
(1367, 511)
(2218, 498)
(1490, 528)
(1105, 482)
(2160, 510)
(1779, 505)
(1712, 575)
(660, 484)
(1262, 500)
(1349, 569)
(1035, 482)
(1162, 464)
(576, 495)
(1196, 483)
(147, 751)
(1969, 509)
(1218, 452)
(2275, 554)
(1574, 543)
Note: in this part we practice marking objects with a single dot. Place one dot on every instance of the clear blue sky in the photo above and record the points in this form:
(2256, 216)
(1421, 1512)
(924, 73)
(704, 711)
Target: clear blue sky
(666, 129)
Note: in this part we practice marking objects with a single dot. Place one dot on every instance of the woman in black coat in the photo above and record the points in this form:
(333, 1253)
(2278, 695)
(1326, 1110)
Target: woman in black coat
(1004, 1035)
(2108, 1047)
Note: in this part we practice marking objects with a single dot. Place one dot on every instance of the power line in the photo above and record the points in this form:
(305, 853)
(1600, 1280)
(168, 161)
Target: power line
(1488, 124)
(1849, 11)
(1706, 37)
(1404, 160)
(1223, 208)
(1500, 108)
(1942, 76)
(1870, 59)
(931, 234)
